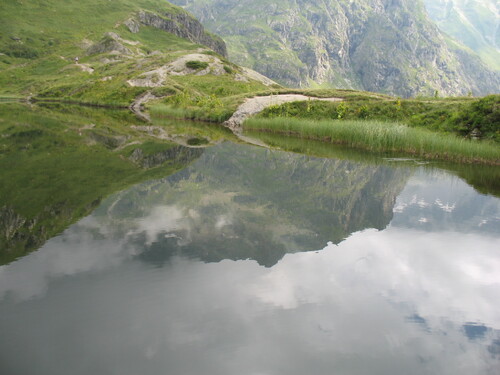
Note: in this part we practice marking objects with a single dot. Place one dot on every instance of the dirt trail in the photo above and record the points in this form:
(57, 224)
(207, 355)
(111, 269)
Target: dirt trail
(257, 104)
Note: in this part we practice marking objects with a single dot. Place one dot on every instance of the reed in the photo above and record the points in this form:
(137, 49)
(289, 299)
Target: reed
(383, 137)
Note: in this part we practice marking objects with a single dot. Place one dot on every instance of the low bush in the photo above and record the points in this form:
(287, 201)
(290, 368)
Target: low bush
(196, 65)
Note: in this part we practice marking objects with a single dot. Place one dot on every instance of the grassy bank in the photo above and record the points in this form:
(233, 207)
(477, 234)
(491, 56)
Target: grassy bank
(383, 137)
(462, 116)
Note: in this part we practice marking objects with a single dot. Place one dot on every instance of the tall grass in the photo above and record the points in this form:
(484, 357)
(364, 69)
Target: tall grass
(383, 137)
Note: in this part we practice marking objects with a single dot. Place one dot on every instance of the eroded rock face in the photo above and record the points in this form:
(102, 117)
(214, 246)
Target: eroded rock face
(377, 45)
(132, 25)
(184, 26)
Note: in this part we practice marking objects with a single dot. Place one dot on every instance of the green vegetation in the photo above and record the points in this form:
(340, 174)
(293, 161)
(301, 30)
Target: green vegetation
(206, 98)
(462, 116)
(426, 122)
(196, 65)
(383, 137)
(84, 52)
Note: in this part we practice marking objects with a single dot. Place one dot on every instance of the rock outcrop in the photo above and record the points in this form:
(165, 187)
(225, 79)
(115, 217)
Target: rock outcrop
(183, 25)
(110, 43)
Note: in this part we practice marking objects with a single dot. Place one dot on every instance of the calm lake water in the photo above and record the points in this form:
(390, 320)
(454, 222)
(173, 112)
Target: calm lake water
(257, 262)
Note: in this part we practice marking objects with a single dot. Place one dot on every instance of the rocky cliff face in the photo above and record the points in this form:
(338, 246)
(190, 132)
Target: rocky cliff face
(377, 45)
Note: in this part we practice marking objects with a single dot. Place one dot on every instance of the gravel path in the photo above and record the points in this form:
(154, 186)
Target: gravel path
(257, 104)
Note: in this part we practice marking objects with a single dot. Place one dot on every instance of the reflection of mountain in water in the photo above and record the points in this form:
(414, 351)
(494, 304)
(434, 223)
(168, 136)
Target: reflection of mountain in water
(239, 202)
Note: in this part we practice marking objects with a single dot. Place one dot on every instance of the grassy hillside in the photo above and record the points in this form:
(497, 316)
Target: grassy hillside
(39, 41)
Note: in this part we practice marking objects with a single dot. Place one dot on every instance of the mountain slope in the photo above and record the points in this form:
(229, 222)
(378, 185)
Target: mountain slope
(110, 52)
(474, 23)
(381, 45)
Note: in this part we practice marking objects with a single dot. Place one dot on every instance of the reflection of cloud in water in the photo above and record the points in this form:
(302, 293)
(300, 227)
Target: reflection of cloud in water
(87, 246)
(345, 309)
(445, 207)
(161, 219)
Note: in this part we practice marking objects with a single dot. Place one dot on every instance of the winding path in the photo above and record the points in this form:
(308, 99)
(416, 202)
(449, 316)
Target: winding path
(257, 104)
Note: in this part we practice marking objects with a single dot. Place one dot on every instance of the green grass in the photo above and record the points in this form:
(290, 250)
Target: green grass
(40, 40)
(206, 98)
(383, 137)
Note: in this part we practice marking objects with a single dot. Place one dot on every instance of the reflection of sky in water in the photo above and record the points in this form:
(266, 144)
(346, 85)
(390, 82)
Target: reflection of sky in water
(415, 298)
(435, 201)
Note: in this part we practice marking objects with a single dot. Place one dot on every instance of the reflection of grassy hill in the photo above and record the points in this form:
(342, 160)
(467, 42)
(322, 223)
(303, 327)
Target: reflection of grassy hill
(55, 168)
(239, 202)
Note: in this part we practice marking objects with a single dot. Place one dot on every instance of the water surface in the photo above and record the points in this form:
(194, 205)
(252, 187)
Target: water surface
(251, 261)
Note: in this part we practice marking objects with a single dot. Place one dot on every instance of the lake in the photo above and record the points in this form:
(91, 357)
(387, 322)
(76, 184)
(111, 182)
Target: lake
(252, 261)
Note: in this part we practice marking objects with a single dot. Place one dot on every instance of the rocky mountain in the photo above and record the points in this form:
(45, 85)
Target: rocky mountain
(377, 45)
(475, 23)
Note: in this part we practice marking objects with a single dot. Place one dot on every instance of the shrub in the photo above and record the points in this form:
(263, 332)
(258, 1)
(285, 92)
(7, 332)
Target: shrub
(196, 65)
(21, 51)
